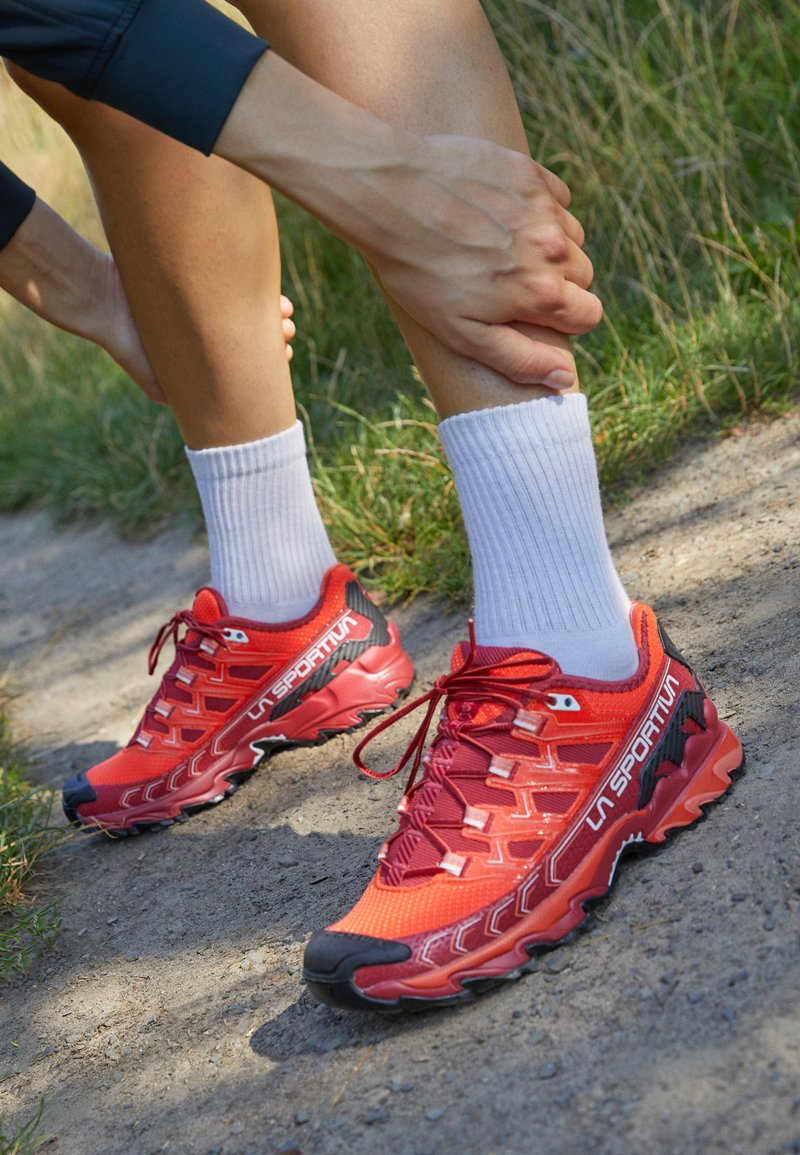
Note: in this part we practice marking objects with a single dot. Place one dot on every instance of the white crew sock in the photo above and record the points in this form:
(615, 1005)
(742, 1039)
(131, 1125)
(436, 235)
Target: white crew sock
(269, 549)
(544, 577)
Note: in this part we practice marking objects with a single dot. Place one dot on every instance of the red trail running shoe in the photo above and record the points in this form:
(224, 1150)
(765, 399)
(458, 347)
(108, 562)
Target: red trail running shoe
(533, 787)
(236, 691)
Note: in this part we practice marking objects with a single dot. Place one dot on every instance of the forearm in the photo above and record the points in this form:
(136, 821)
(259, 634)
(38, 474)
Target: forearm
(55, 272)
(331, 156)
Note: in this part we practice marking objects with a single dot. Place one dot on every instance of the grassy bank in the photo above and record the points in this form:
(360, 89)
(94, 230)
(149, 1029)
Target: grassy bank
(676, 125)
(26, 835)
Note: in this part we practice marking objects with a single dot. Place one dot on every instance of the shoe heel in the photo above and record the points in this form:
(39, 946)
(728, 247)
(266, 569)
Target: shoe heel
(708, 783)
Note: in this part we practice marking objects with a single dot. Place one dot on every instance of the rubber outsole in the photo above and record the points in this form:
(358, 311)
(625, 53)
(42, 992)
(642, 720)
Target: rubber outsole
(346, 995)
(234, 780)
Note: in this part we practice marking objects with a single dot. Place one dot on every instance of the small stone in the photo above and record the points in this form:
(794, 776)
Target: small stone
(740, 977)
(132, 957)
(435, 1114)
(547, 1071)
(112, 920)
(237, 1126)
(768, 924)
(400, 1086)
(697, 868)
(286, 860)
(729, 1015)
(738, 896)
(694, 996)
(535, 1036)
(516, 1014)
(555, 964)
(301, 1116)
(380, 1115)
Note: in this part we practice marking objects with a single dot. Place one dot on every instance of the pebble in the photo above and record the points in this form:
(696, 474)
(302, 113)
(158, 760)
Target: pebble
(694, 996)
(381, 1115)
(740, 977)
(535, 1036)
(435, 1114)
(400, 1085)
(131, 957)
(286, 860)
(301, 1116)
(555, 965)
(738, 896)
(547, 1071)
(768, 924)
(697, 868)
(234, 1009)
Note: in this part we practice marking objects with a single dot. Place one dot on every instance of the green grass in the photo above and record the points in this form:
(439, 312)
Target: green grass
(26, 835)
(24, 1140)
(676, 124)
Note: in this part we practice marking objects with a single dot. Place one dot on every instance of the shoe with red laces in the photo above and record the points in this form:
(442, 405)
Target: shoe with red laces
(236, 691)
(534, 786)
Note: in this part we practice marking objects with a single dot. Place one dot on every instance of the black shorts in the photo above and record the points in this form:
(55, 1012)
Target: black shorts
(177, 65)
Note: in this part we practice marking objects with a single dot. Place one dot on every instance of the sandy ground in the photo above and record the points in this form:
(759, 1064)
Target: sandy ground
(170, 1015)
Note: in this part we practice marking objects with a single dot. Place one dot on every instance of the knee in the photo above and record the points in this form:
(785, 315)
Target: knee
(72, 112)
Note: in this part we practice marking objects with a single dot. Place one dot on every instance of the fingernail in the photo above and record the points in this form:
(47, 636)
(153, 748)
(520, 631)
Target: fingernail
(559, 379)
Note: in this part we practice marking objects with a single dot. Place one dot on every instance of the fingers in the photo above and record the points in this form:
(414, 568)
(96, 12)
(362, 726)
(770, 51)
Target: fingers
(555, 185)
(565, 307)
(520, 358)
(287, 325)
(573, 228)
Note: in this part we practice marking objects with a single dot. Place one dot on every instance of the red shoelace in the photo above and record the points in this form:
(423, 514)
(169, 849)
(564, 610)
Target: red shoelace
(470, 682)
(170, 630)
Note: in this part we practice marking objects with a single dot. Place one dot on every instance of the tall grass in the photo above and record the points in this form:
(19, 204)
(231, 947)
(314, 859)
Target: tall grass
(676, 124)
(26, 835)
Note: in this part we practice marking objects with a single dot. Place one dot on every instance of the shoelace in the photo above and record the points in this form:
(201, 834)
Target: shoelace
(470, 681)
(170, 630)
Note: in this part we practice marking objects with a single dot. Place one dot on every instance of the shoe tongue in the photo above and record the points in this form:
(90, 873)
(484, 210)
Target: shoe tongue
(209, 606)
(494, 656)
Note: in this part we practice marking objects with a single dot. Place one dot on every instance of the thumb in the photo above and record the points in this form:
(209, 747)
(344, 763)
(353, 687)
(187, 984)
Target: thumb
(522, 359)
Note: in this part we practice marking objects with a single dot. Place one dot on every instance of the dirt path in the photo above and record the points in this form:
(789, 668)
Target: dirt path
(170, 1015)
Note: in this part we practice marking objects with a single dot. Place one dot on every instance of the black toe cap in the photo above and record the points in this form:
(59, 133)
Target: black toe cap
(332, 958)
(76, 790)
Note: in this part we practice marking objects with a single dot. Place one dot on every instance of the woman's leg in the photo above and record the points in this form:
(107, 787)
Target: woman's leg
(196, 242)
(430, 66)
(526, 476)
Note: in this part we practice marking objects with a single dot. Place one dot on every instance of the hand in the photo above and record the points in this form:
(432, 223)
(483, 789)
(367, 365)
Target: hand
(479, 243)
(469, 238)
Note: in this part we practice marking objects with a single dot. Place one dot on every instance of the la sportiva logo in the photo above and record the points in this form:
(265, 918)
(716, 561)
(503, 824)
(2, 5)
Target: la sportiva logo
(637, 753)
(305, 665)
